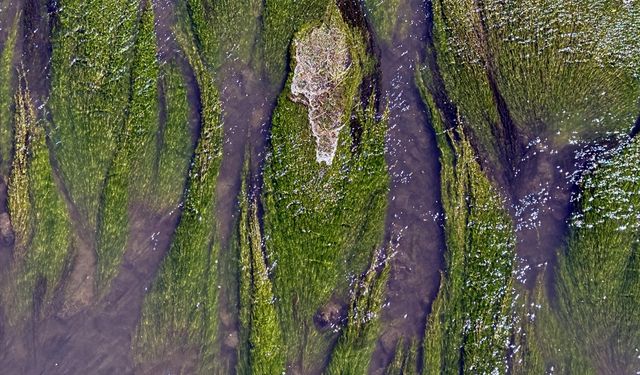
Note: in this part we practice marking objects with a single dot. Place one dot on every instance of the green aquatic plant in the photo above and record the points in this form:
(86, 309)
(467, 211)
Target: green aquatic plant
(174, 139)
(384, 15)
(180, 311)
(6, 94)
(534, 334)
(225, 29)
(405, 360)
(313, 241)
(558, 69)
(19, 203)
(357, 341)
(130, 170)
(263, 349)
(281, 20)
(469, 327)
(38, 267)
(93, 45)
(597, 282)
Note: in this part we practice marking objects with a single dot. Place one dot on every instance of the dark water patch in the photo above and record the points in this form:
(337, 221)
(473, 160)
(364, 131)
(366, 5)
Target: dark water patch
(541, 203)
(543, 191)
(247, 102)
(414, 212)
(636, 128)
(8, 11)
(165, 22)
(36, 48)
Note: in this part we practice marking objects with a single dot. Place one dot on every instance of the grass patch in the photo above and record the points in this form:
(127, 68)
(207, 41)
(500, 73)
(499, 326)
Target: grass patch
(281, 20)
(19, 202)
(175, 144)
(130, 171)
(262, 346)
(405, 360)
(312, 240)
(38, 267)
(384, 15)
(597, 281)
(225, 29)
(6, 93)
(562, 69)
(180, 312)
(357, 340)
(469, 327)
(93, 47)
(530, 343)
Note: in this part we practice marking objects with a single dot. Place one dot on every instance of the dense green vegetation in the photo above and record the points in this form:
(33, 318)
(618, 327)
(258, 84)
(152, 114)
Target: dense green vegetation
(131, 125)
(180, 311)
(174, 140)
(405, 360)
(531, 339)
(93, 46)
(564, 70)
(358, 338)
(469, 326)
(19, 203)
(6, 94)
(42, 252)
(281, 19)
(225, 29)
(561, 69)
(597, 283)
(313, 242)
(133, 156)
(262, 349)
(384, 15)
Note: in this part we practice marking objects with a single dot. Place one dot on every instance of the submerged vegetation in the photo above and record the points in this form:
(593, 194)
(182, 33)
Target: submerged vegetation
(469, 326)
(93, 46)
(132, 155)
(180, 311)
(353, 351)
(405, 360)
(262, 349)
(174, 139)
(595, 300)
(6, 92)
(512, 72)
(281, 19)
(314, 243)
(43, 237)
(383, 15)
(557, 69)
(224, 29)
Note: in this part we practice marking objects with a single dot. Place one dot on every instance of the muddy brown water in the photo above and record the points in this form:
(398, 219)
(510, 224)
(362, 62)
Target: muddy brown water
(414, 222)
